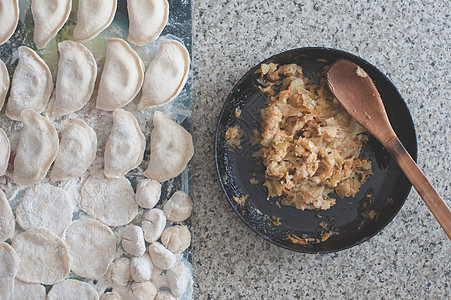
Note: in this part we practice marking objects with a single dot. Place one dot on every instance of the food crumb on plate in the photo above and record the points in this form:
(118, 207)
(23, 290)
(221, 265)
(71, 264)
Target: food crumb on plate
(241, 200)
(302, 241)
(238, 113)
(274, 220)
(233, 137)
(309, 240)
(253, 180)
(360, 72)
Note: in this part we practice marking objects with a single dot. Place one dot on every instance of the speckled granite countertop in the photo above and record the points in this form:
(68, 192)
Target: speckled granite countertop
(410, 42)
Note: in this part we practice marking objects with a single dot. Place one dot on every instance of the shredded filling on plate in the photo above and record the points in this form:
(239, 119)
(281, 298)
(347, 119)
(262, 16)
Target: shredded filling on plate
(310, 146)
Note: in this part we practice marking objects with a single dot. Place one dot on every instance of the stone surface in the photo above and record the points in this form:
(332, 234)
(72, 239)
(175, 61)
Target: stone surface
(409, 42)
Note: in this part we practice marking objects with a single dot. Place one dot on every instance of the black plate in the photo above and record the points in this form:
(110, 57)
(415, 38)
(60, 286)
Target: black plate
(349, 217)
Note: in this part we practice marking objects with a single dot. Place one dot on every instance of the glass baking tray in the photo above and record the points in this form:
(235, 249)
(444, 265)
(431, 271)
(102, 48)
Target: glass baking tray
(179, 27)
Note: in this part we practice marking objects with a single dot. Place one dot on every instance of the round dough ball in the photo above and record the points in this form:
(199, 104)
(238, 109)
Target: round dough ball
(164, 295)
(7, 223)
(119, 272)
(161, 257)
(153, 224)
(44, 205)
(110, 296)
(176, 238)
(92, 247)
(141, 268)
(69, 288)
(178, 208)
(178, 278)
(23, 290)
(9, 264)
(110, 200)
(143, 290)
(44, 257)
(133, 240)
(148, 193)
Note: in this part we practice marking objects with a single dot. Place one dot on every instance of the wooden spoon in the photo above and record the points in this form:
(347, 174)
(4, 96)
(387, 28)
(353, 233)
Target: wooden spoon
(358, 95)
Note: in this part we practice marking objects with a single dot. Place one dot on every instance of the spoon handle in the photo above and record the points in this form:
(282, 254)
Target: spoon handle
(435, 203)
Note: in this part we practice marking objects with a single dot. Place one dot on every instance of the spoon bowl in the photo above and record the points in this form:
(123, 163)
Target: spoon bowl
(357, 93)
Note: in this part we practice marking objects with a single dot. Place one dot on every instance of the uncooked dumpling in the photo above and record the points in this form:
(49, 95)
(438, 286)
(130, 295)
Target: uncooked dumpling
(7, 223)
(4, 82)
(122, 76)
(166, 75)
(77, 72)
(49, 17)
(9, 263)
(171, 148)
(125, 147)
(147, 20)
(70, 289)
(5, 151)
(44, 257)
(9, 16)
(93, 17)
(110, 200)
(45, 205)
(77, 150)
(31, 86)
(36, 150)
(92, 247)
